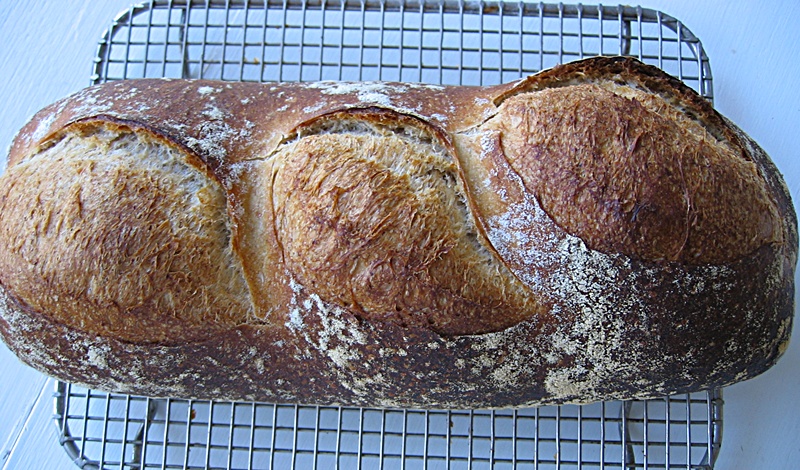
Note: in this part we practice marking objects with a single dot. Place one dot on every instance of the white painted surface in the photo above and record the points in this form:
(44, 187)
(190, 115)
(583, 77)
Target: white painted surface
(45, 52)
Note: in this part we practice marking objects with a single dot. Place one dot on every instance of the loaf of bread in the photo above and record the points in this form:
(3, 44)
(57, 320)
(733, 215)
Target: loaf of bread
(595, 231)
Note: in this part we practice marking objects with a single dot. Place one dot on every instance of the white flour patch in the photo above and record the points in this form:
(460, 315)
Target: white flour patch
(96, 356)
(205, 90)
(367, 92)
(44, 126)
(316, 107)
(87, 102)
(212, 112)
(375, 98)
(295, 322)
(336, 327)
(214, 135)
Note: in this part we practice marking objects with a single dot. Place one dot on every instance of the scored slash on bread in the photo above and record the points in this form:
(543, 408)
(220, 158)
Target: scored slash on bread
(595, 231)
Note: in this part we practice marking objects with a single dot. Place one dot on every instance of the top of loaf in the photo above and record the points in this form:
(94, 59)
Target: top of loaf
(573, 137)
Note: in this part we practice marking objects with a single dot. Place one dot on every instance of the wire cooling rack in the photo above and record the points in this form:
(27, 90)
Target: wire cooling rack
(441, 42)
(101, 430)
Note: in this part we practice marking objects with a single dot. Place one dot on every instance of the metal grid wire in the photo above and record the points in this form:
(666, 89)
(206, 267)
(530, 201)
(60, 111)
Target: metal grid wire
(444, 42)
(102, 430)
(440, 42)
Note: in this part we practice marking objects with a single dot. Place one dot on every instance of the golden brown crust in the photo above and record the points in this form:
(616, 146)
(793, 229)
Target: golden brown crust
(126, 239)
(370, 217)
(656, 188)
(595, 231)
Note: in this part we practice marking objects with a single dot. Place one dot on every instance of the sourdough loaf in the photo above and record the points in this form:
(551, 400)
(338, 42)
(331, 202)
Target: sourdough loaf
(595, 231)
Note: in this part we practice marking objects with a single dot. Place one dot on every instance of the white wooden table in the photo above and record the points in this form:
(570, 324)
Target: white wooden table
(45, 52)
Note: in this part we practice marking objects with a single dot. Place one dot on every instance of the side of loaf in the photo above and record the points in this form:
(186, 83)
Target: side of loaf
(595, 231)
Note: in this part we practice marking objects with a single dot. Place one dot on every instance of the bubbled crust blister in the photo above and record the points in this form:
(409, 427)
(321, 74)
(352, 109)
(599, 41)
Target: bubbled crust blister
(418, 246)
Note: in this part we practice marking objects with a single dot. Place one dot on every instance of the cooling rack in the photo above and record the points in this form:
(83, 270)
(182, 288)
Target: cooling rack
(440, 42)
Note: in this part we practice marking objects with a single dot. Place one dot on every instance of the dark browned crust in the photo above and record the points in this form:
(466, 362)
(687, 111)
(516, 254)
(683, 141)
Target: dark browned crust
(688, 336)
(674, 327)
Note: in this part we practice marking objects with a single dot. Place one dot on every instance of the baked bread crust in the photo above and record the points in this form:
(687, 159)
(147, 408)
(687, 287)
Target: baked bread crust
(595, 231)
